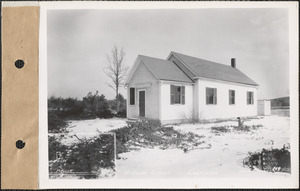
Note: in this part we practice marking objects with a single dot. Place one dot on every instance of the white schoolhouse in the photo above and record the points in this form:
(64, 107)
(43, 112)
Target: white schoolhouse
(184, 87)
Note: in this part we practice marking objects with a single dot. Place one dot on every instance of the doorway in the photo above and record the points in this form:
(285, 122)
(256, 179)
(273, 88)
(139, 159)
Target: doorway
(142, 103)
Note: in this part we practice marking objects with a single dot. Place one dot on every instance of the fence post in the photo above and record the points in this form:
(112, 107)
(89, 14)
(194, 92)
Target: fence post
(262, 160)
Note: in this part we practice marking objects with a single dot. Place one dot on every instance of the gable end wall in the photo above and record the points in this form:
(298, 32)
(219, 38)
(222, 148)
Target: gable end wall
(140, 80)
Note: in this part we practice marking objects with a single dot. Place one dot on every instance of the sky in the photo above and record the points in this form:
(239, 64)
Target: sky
(78, 42)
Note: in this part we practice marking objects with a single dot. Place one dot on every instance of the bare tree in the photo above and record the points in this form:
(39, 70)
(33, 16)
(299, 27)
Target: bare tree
(116, 69)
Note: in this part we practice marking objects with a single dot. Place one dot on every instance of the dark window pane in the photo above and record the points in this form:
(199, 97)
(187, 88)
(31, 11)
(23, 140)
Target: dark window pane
(172, 93)
(183, 95)
(132, 96)
(177, 94)
(211, 96)
(177, 98)
(250, 99)
(231, 97)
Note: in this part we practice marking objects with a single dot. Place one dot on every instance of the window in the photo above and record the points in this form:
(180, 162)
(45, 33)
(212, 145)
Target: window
(250, 98)
(231, 97)
(132, 96)
(177, 94)
(211, 96)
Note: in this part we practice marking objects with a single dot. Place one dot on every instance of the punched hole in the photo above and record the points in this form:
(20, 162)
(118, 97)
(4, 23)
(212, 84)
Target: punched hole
(19, 64)
(20, 144)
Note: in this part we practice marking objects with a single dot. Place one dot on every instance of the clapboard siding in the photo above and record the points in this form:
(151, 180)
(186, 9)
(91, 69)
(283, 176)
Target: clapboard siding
(144, 79)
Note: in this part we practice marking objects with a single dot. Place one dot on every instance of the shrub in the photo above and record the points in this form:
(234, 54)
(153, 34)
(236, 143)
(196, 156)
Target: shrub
(86, 158)
(271, 160)
(247, 128)
(227, 129)
(55, 146)
(220, 129)
(149, 133)
(122, 114)
(122, 136)
(56, 123)
(118, 104)
(104, 114)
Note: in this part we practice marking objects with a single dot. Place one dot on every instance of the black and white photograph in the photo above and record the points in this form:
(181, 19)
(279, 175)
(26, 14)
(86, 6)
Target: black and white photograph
(191, 93)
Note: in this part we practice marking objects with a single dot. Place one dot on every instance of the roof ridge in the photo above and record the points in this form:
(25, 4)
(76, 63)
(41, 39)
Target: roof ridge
(159, 67)
(182, 70)
(219, 71)
(202, 59)
(153, 57)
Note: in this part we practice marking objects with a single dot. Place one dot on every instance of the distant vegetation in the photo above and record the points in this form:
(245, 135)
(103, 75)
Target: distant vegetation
(280, 103)
(90, 107)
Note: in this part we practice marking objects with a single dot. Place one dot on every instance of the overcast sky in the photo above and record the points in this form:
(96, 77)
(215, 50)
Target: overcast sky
(79, 40)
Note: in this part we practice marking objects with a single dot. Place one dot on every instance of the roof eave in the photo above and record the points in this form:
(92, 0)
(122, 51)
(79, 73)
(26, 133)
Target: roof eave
(218, 80)
(132, 69)
(177, 81)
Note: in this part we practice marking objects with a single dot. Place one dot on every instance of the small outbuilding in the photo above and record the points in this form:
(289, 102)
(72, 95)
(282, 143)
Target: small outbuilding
(263, 107)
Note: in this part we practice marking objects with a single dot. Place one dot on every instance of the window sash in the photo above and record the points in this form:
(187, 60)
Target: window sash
(250, 98)
(132, 96)
(231, 97)
(177, 95)
(211, 96)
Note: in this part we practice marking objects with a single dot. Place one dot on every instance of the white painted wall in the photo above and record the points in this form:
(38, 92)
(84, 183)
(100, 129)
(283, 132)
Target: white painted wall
(222, 109)
(176, 111)
(143, 79)
(158, 104)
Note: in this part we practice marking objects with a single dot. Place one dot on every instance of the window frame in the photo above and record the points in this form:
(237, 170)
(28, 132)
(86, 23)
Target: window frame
(214, 96)
(231, 97)
(173, 94)
(134, 96)
(250, 98)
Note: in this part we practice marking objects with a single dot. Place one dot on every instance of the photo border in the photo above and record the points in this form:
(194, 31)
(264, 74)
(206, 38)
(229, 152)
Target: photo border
(291, 181)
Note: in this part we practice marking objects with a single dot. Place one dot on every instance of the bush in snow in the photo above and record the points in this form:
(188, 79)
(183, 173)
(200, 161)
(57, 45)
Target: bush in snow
(55, 147)
(247, 128)
(122, 136)
(122, 113)
(229, 128)
(271, 160)
(220, 129)
(86, 158)
(150, 133)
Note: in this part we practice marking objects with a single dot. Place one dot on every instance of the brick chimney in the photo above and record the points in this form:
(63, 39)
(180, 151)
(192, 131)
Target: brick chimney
(233, 65)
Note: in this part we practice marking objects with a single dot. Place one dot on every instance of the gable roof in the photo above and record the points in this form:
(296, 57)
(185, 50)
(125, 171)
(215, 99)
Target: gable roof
(165, 69)
(213, 70)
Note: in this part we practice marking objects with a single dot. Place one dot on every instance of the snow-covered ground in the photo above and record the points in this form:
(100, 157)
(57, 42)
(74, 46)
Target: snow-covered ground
(221, 155)
(96, 125)
(89, 128)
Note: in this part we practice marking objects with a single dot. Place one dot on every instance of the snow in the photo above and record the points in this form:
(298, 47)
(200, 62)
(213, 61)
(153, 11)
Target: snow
(222, 156)
(86, 129)
(96, 125)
